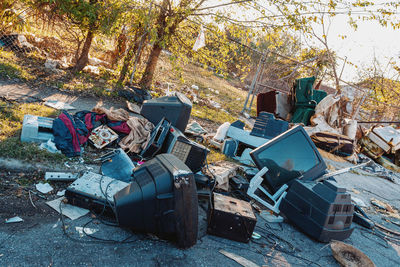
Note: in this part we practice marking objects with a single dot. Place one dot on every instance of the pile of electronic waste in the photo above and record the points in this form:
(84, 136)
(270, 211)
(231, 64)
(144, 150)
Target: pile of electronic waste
(158, 188)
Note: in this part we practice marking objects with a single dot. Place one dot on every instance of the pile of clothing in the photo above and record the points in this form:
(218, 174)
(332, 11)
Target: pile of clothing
(71, 132)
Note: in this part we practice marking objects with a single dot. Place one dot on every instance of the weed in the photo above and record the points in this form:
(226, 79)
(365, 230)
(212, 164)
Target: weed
(10, 70)
(215, 156)
(11, 117)
(217, 116)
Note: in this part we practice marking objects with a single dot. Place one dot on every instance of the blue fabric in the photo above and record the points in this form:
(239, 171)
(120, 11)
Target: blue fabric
(63, 137)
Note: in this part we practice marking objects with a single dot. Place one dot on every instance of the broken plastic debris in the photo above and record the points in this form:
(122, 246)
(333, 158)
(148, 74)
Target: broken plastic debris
(358, 201)
(15, 219)
(195, 87)
(88, 231)
(44, 188)
(70, 211)
(61, 193)
(255, 235)
(50, 146)
(59, 105)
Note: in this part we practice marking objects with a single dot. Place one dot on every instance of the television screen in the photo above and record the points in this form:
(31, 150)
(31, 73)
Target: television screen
(289, 156)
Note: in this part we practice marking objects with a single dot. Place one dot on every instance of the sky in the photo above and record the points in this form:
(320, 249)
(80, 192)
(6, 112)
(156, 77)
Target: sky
(360, 46)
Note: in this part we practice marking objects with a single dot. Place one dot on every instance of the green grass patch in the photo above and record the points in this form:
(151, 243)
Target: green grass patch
(13, 148)
(218, 116)
(11, 117)
(10, 70)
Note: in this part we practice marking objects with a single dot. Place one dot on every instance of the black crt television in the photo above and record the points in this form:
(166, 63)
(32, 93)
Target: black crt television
(289, 156)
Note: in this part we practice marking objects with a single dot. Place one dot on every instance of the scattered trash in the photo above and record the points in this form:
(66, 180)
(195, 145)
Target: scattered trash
(102, 136)
(49, 146)
(215, 104)
(255, 236)
(15, 219)
(61, 193)
(133, 107)
(382, 205)
(59, 105)
(36, 129)
(349, 256)
(60, 176)
(92, 69)
(222, 131)
(195, 87)
(358, 201)
(239, 259)
(44, 188)
(70, 211)
(272, 202)
(195, 129)
(222, 172)
(85, 231)
(52, 64)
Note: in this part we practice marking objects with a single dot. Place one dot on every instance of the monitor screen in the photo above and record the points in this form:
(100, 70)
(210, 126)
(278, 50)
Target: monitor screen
(289, 156)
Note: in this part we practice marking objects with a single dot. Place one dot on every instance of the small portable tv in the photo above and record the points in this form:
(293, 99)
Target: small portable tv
(288, 156)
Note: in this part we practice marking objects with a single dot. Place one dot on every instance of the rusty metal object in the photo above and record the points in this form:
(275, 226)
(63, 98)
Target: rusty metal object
(350, 256)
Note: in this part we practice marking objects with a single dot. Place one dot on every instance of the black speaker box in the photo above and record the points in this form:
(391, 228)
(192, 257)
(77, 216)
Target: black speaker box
(161, 199)
(231, 218)
(321, 210)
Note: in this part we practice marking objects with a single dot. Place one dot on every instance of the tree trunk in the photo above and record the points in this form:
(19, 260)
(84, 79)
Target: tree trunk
(147, 77)
(84, 57)
(133, 47)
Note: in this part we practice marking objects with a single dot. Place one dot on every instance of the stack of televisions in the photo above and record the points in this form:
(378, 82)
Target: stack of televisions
(160, 196)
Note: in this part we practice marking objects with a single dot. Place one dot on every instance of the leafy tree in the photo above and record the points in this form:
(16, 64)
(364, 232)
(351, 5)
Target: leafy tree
(93, 16)
(10, 19)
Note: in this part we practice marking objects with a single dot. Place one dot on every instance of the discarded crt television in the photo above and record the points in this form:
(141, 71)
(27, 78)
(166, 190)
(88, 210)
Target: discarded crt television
(191, 153)
(288, 156)
(161, 199)
(321, 210)
(176, 109)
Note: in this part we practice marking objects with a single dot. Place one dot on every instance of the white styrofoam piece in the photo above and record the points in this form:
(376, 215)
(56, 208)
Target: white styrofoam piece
(44, 188)
(59, 105)
(70, 211)
(88, 231)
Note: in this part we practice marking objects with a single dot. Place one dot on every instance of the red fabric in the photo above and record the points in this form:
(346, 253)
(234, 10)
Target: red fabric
(118, 126)
(266, 102)
(71, 128)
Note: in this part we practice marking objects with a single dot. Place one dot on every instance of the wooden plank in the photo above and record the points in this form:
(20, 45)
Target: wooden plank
(239, 259)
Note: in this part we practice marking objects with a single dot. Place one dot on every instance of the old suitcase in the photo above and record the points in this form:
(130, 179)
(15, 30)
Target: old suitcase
(231, 218)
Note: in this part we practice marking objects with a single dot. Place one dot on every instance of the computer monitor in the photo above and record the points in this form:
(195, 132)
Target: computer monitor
(288, 156)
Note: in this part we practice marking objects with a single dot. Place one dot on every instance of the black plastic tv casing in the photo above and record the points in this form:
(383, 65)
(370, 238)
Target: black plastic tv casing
(310, 175)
